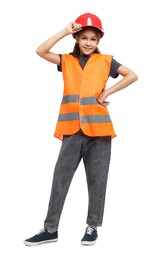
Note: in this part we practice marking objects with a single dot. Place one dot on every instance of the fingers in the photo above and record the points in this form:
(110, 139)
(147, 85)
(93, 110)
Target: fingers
(76, 26)
(73, 27)
(105, 103)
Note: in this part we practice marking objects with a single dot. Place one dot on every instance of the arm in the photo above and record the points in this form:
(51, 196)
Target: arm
(44, 49)
(128, 78)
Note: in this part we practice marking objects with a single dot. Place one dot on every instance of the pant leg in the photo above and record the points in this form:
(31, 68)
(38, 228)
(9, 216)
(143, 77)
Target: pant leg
(96, 160)
(67, 163)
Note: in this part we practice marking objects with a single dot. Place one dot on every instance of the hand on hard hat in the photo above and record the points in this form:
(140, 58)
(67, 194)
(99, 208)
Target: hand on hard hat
(73, 27)
(92, 20)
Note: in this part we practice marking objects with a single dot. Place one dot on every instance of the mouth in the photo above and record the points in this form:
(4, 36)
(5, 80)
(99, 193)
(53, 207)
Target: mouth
(87, 49)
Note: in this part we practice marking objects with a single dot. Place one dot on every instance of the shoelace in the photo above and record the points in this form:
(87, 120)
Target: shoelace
(89, 230)
(41, 231)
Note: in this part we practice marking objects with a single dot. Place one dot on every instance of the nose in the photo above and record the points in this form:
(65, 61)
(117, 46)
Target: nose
(88, 42)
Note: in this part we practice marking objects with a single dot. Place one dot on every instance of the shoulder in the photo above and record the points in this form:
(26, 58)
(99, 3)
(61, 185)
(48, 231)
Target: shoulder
(107, 57)
(64, 58)
(67, 56)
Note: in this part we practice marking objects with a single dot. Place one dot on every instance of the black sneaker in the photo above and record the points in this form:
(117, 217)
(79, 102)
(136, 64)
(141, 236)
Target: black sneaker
(42, 237)
(90, 236)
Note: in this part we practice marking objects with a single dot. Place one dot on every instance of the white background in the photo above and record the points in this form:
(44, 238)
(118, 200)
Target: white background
(30, 95)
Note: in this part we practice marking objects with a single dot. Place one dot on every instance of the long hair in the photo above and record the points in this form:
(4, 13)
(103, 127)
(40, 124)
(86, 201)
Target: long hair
(76, 49)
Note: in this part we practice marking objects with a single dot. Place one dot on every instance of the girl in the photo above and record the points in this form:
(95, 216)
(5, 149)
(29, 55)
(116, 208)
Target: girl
(84, 124)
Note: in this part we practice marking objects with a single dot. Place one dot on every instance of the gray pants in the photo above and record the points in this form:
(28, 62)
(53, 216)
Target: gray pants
(95, 152)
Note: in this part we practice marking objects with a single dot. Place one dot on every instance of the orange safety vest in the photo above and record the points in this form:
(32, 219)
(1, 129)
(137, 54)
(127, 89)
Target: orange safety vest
(79, 107)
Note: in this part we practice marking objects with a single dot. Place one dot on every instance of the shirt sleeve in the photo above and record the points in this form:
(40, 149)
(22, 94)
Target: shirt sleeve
(59, 67)
(114, 67)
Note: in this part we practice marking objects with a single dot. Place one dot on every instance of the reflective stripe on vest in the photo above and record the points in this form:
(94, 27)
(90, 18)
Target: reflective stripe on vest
(88, 101)
(84, 119)
(70, 98)
(95, 119)
(68, 117)
(79, 107)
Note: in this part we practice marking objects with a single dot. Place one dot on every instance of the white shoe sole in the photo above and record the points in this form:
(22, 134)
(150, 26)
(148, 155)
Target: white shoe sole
(27, 243)
(88, 243)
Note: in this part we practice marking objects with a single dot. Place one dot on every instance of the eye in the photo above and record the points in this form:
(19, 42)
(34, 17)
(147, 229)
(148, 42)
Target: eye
(83, 38)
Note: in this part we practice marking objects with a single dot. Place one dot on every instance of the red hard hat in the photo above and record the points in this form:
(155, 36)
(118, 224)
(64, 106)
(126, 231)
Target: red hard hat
(92, 20)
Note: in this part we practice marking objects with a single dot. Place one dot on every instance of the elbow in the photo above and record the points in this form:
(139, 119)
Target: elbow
(135, 77)
(38, 51)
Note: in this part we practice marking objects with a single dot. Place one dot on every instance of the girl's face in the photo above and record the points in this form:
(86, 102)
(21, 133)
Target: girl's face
(88, 40)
